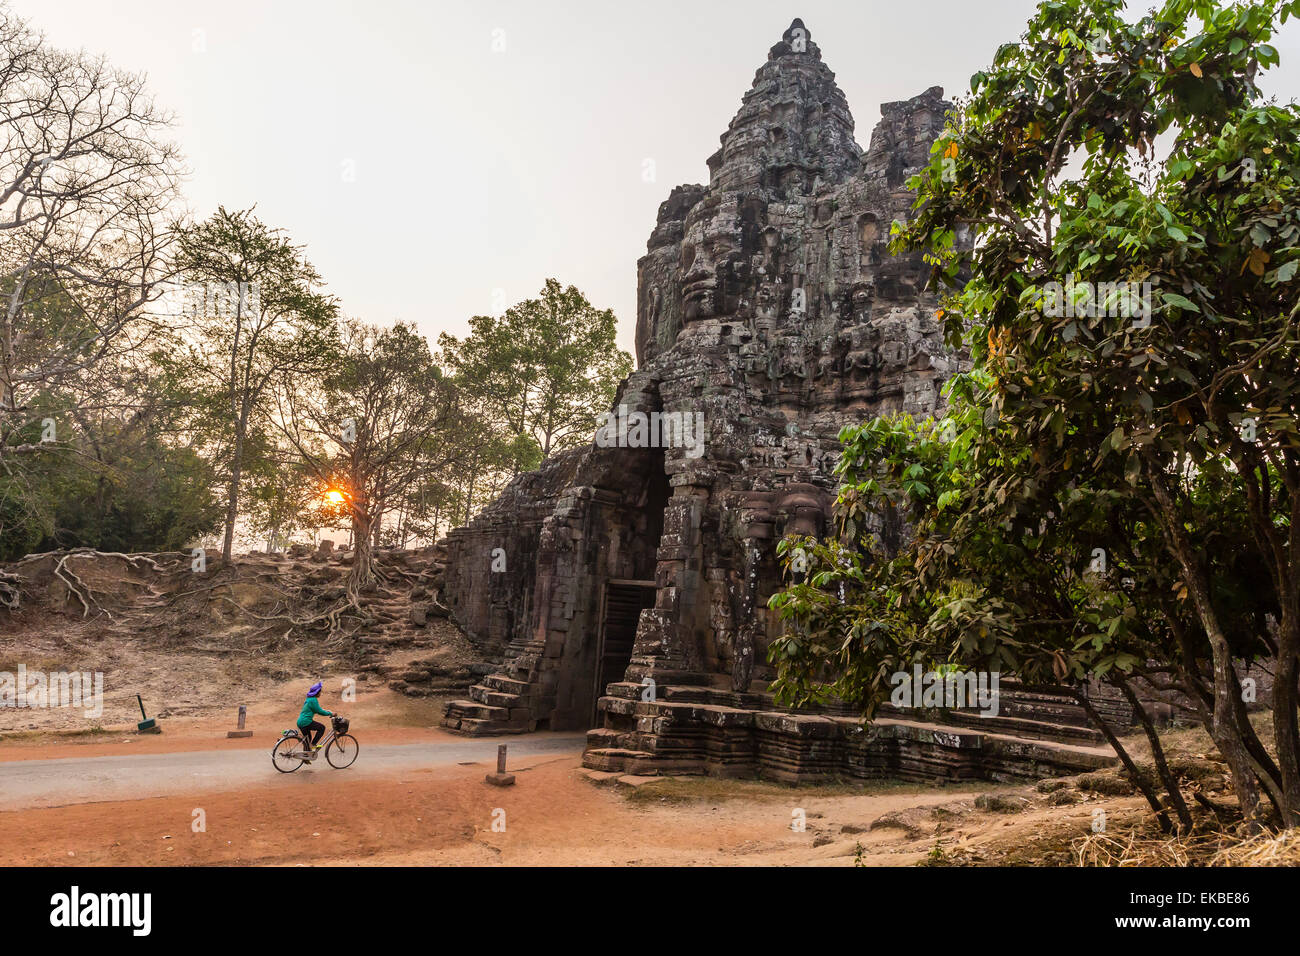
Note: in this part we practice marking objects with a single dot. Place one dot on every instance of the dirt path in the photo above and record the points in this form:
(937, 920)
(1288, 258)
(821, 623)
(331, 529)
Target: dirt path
(45, 783)
(418, 805)
(417, 796)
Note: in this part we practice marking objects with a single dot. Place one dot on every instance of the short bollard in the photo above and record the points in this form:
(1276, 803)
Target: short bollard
(501, 778)
(240, 732)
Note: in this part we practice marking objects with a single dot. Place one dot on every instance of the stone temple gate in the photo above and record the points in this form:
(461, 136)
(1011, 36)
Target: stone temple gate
(624, 584)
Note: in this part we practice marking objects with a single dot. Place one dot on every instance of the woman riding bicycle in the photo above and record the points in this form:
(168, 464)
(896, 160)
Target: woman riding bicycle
(310, 729)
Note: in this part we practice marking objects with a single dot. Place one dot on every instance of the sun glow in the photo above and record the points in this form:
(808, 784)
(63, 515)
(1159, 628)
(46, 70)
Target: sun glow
(334, 497)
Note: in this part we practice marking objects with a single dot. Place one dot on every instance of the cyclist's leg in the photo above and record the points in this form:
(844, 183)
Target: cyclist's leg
(317, 729)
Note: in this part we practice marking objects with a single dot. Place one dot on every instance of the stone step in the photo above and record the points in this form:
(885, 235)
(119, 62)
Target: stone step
(1030, 727)
(1034, 727)
(506, 684)
(492, 697)
(640, 762)
(475, 727)
(615, 759)
(477, 711)
(1040, 698)
(607, 738)
(1043, 713)
(627, 690)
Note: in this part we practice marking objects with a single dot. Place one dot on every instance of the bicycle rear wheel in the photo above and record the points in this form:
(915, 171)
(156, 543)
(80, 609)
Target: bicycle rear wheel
(342, 750)
(287, 755)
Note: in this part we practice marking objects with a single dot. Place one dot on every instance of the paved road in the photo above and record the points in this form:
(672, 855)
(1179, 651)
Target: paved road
(46, 783)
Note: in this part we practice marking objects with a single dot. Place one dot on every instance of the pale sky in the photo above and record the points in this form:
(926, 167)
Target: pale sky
(433, 177)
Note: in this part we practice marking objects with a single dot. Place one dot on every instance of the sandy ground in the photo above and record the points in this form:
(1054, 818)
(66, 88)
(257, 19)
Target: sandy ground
(552, 816)
(430, 804)
(418, 796)
(89, 790)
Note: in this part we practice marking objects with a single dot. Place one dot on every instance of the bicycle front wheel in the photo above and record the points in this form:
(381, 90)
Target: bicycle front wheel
(288, 754)
(342, 750)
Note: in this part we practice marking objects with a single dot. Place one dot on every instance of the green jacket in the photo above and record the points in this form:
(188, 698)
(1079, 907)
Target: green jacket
(309, 710)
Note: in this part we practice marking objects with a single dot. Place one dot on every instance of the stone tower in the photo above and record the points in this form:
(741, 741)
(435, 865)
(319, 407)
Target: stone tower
(632, 575)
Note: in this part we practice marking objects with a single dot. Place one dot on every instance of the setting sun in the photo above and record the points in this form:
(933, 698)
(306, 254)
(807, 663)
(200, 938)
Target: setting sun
(334, 497)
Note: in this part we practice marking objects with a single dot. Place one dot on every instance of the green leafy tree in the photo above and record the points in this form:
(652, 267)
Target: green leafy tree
(547, 369)
(1133, 320)
(118, 482)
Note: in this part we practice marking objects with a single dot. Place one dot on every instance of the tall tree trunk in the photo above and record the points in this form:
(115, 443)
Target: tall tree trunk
(1158, 756)
(1139, 779)
(469, 494)
(362, 573)
(1223, 724)
(232, 505)
(1285, 736)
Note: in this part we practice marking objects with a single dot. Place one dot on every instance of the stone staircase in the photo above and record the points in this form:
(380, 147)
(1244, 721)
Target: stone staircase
(499, 705)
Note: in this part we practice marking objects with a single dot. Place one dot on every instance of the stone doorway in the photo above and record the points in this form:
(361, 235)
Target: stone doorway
(620, 609)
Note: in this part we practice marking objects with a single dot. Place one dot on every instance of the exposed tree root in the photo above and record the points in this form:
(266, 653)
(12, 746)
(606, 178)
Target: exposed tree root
(11, 591)
(332, 617)
(11, 581)
(75, 585)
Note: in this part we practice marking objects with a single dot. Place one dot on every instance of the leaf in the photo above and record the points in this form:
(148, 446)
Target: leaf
(1196, 70)
(1257, 260)
(1173, 298)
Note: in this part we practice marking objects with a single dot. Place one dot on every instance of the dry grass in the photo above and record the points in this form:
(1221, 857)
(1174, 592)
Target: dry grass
(1146, 846)
(95, 731)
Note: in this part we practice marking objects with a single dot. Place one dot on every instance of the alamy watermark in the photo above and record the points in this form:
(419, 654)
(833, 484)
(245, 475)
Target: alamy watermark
(128, 910)
(624, 429)
(954, 690)
(1077, 299)
(37, 689)
(209, 300)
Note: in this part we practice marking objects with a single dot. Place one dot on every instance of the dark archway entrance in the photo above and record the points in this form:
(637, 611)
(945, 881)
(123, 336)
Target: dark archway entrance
(621, 607)
(622, 600)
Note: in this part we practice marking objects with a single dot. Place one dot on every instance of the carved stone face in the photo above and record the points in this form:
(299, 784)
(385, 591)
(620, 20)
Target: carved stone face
(715, 268)
(861, 298)
(767, 302)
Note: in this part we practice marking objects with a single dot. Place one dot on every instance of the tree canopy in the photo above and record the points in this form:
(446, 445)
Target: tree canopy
(545, 370)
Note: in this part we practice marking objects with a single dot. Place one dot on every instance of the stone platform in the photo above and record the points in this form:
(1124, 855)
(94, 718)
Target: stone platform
(690, 729)
(693, 730)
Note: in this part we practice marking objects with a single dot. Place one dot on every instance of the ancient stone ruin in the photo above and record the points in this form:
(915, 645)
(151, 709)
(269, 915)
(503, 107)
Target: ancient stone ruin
(624, 585)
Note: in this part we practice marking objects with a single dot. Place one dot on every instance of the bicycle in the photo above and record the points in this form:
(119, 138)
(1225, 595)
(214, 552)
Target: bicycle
(340, 748)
